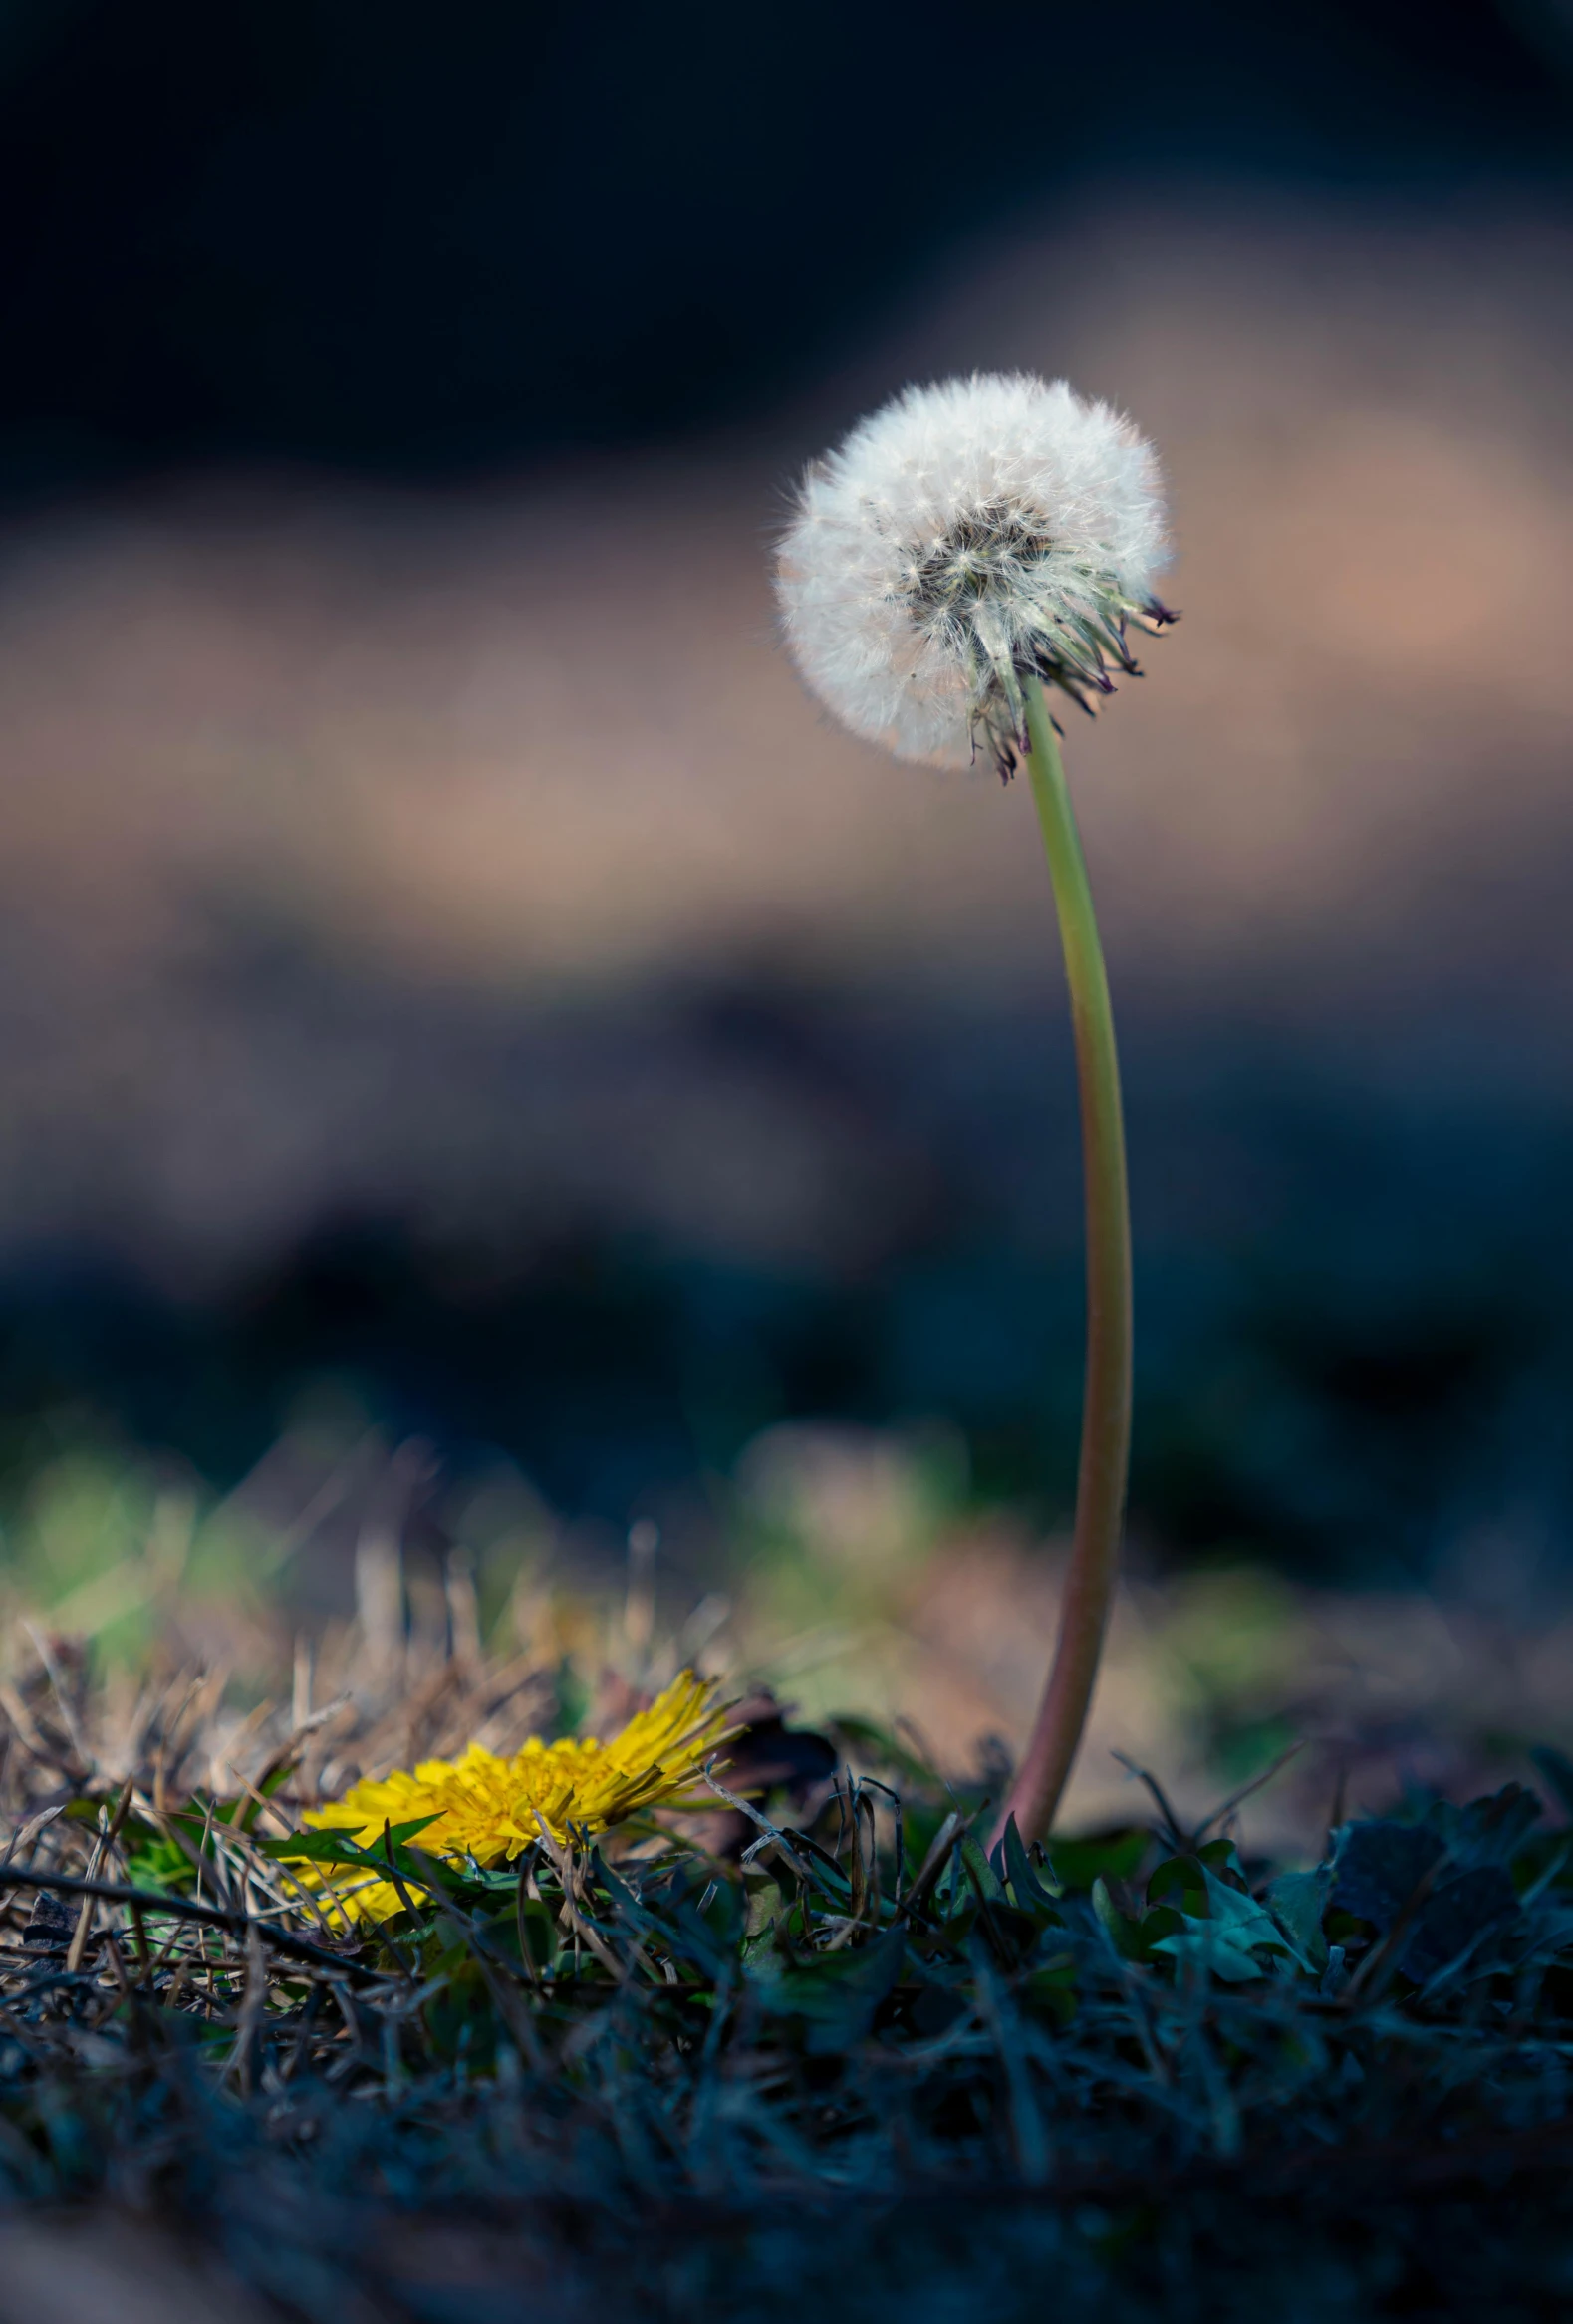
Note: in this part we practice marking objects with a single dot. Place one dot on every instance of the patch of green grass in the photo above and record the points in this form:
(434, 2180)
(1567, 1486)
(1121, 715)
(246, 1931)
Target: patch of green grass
(865, 2064)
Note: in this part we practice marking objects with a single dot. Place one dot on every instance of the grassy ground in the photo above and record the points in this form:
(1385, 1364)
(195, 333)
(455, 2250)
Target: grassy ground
(822, 2049)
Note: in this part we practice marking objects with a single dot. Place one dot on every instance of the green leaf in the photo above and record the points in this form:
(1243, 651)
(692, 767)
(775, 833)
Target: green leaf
(1240, 1918)
(833, 1995)
(1555, 1766)
(162, 1865)
(1010, 1935)
(1223, 1932)
(1211, 1949)
(1134, 1937)
(767, 1903)
(825, 1873)
(986, 1884)
(723, 1912)
(616, 1886)
(1487, 1831)
(1296, 1901)
(536, 1924)
(1077, 1863)
(1122, 1933)
(1050, 1992)
(1181, 1880)
(1380, 1866)
(340, 1847)
(1222, 1857)
(1015, 1865)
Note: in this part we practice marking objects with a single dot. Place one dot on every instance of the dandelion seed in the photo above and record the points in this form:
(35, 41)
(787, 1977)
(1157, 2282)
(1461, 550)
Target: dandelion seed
(966, 539)
(486, 1807)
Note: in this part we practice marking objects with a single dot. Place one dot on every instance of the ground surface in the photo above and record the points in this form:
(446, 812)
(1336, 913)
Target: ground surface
(824, 2050)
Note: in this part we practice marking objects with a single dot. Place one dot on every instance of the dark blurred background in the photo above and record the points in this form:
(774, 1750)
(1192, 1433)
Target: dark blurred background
(449, 974)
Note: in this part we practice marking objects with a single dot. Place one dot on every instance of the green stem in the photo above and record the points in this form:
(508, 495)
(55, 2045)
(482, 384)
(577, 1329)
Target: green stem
(1105, 1409)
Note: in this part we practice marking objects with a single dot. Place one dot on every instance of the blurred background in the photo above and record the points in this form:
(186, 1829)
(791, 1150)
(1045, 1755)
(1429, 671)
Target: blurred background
(485, 1067)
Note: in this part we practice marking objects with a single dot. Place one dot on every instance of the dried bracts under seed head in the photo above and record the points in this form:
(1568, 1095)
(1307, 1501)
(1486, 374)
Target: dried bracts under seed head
(967, 537)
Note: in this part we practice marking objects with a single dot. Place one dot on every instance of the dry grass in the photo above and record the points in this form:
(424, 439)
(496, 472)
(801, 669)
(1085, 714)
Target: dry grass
(345, 1609)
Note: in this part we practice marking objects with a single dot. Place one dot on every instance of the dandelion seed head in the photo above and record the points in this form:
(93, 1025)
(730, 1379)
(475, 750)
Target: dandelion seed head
(966, 538)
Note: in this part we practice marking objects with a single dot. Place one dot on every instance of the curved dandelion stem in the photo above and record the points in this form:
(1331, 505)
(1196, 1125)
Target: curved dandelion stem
(1105, 1409)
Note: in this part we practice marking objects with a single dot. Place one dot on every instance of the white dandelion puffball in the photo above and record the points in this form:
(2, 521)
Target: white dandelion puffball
(967, 537)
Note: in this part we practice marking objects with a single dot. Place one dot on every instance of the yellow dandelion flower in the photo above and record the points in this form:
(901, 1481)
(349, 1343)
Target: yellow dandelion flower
(490, 1809)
